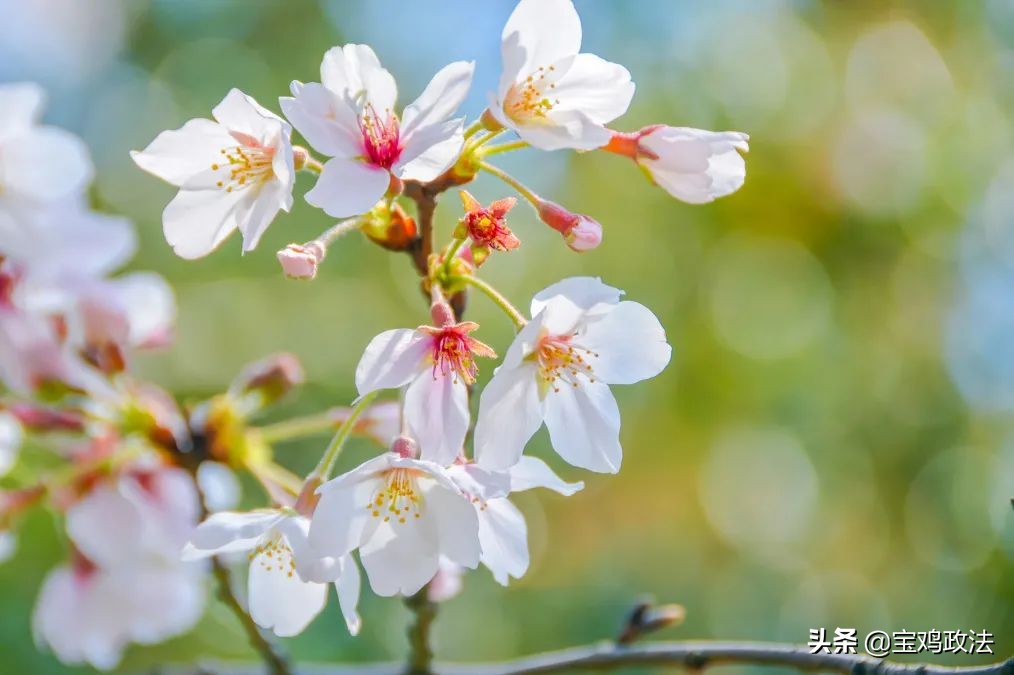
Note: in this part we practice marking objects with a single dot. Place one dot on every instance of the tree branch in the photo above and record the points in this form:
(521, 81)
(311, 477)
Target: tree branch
(424, 610)
(273, 658)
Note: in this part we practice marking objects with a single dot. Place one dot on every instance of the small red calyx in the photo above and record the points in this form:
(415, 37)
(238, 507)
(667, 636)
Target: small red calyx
(391, 227)
(628, 143)
(454, 350)
(487, 225)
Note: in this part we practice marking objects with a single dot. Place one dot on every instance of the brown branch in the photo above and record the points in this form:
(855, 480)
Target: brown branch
(424, 610)
(276, 662)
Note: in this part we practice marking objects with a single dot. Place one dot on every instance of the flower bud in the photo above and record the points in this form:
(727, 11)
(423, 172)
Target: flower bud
(268, 379)
(300, 155)
(391, 227)
(300, 261)
(405, 447)
(441, 313)
(579, 231)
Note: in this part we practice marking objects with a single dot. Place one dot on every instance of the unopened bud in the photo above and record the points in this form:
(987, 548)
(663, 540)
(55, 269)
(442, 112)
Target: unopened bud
(586, 235)
(442, 313)
(300, 155)
(268, 379)
(579, 231)
(404, 446)
(628, 143)
(300, 261)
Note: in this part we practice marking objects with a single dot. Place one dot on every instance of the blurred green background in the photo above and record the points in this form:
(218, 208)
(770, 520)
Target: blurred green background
(832, 444)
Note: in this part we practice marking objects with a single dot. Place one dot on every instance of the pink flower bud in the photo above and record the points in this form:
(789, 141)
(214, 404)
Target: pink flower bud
(301, 261)
(270, 378)
(584, 236)
(405, 447)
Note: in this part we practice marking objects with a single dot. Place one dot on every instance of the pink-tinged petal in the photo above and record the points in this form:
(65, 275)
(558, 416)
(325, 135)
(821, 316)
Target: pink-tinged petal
(446, 583)
(185, 155)
(537, 34)
(510, 413)
(503, 535)
(196, 222)
(355, 70)
(45, 164)
(430, 151)
(436, 412)
(106, 527)
(584, 426)
(531, 472)
(231, 531)
(629, 344)
(328, 121)
(348, 187)
(598, 88)
(340, 517)
(20, 107)
(347, 586)
(149, 306)
(392, 359)
(694, 165)
(569, 129)
(401, 561)
(280, 600)
(439, 100)
(177, 591)
(240, 113)
(457, 525)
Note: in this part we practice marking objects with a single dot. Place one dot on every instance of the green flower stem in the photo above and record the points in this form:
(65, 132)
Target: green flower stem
(473, 128)
(326, 465)
(503, 147)
(521, 189)
(499, 300)
(452, 251)
(298, 427)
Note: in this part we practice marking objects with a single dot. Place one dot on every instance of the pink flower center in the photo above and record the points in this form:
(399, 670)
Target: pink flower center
(528, 101)
(244, 165)
(454, 351)
(398, 497)
(381, 137)
(562, 360)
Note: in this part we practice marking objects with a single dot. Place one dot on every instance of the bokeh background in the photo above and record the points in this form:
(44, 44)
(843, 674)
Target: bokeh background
(832, 444)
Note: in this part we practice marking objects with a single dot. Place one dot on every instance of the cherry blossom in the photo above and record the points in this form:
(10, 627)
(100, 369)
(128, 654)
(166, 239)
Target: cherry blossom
(581, 339)
(553, 96)
(693, 165)
(349, 116)
(38, 164)
(487, 225)
(437, 364)
(236, 172)
(288, 582)
(503, 533)
(402, 514)
(11, 436)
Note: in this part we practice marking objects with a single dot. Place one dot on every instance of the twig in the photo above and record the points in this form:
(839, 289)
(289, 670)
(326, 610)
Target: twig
(420, 655)
(275, 661)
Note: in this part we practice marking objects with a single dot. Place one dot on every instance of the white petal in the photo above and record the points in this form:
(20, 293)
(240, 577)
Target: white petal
(8, 545)
(439, 100)
(347, 586)
(340, 517)
(106, 527)
(177, 591)
(327, 120)
(430, 151)
(310, 564)
(584, 426)
(539, 33)
(348, 187)
(509, 415)
(20, 107)
(240, 113)
(567, 129)
(224, 528)
(504, 538)
(583, 292)
(477, 481)
(356, 70)
(11, 436)
(149, 305)
(219, 485)
(401, 563)
(180, 155)
(457, 525)
(694, 165)
(391, 359)
(45, 164)
(629, 342)
(598, 88)
(436, 412)
(531, 472)
(279, 600)
(196, 222)
(270, 198)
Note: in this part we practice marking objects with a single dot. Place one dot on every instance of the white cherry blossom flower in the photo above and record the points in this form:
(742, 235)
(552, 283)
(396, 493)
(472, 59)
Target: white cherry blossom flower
(437, 364)
(402, 514)
(581, 339)
(693, 165)
(287, 585)
(38, 163)
(553, 96)
(350, 117)
(503, 533)
(236, 172)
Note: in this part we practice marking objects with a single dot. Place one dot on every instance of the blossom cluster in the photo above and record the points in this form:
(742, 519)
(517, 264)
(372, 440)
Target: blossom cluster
(148, 494)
